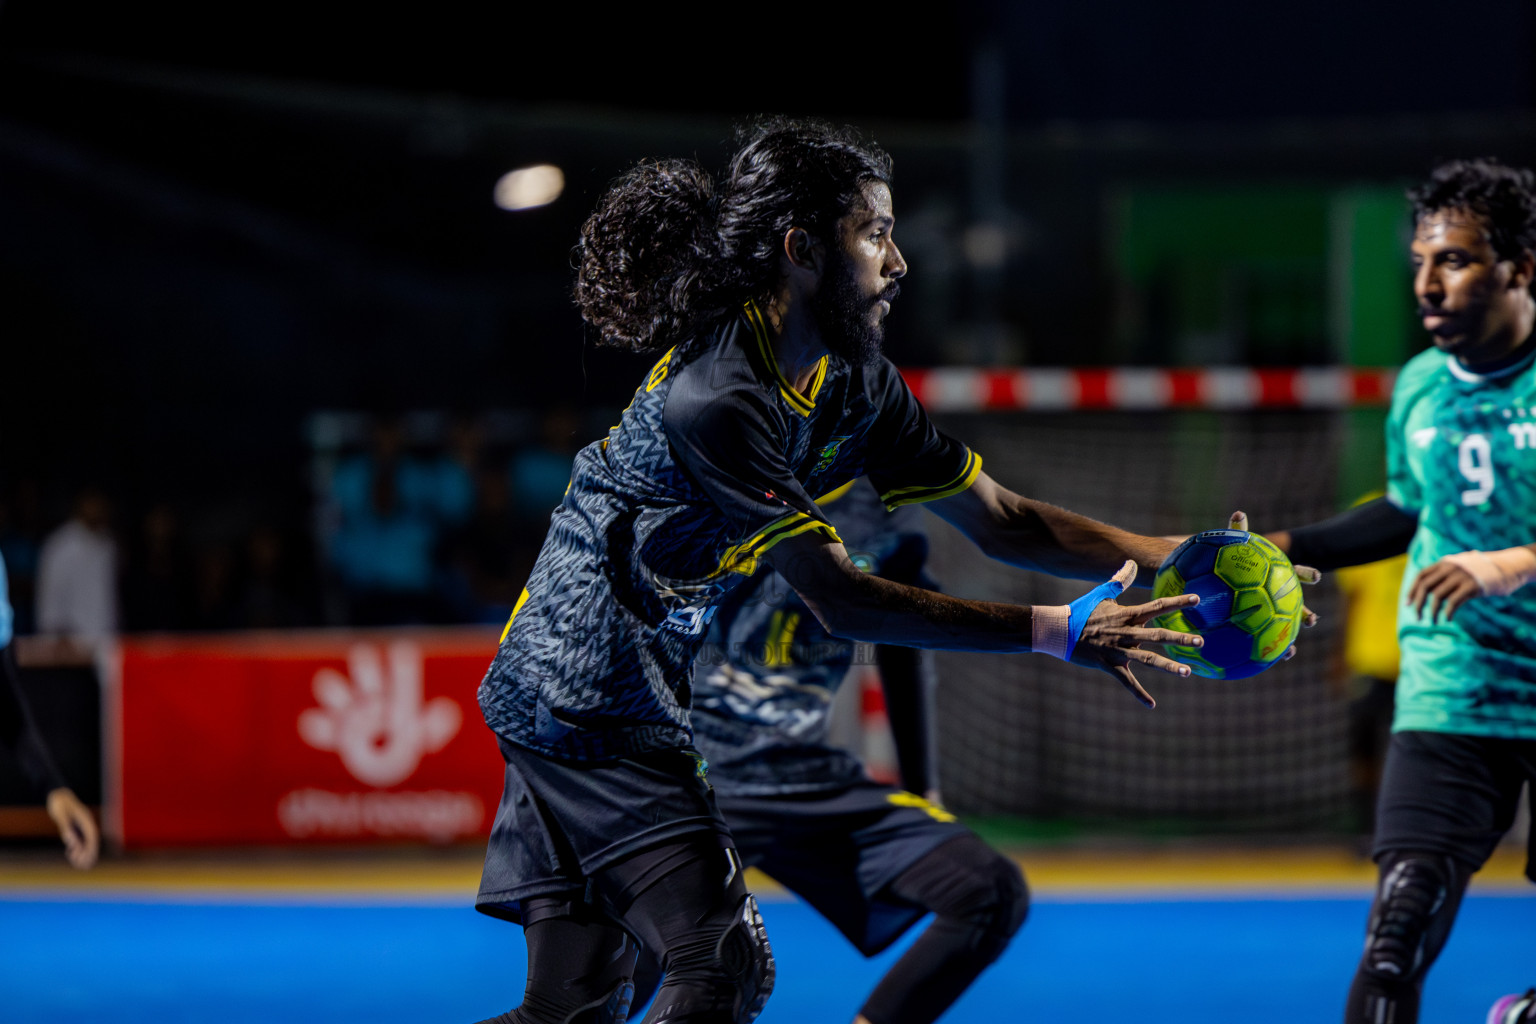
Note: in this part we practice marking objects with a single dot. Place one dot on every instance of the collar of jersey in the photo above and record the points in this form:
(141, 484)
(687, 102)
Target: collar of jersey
(802, 404)
(1472, 377)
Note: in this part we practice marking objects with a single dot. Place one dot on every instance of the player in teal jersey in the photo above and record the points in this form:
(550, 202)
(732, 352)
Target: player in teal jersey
(1461, 498)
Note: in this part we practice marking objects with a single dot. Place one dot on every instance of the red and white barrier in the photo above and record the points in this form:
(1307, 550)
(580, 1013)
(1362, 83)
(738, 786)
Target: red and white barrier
(971, 389)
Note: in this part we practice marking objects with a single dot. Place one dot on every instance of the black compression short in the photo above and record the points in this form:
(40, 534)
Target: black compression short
(1452, 794)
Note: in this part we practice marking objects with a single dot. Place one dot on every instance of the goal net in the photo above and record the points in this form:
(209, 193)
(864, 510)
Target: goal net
(1158, 452)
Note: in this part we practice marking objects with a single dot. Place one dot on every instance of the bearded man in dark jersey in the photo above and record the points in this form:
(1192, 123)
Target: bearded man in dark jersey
(764, 295)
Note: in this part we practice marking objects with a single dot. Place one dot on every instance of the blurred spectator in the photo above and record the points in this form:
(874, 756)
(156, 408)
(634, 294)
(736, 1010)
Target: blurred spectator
(268, 600)
(540, 473)
(454, 488)
(216, 605)
(77, 573)
(438, 489)
(487, 561)
(391, 514)
(157, 576)
(440, 532)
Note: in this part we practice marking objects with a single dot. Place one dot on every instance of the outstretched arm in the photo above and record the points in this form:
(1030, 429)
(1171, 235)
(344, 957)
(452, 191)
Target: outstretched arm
(1031, 534)
(1379, 529)
(1095, 631)
(1366, 533)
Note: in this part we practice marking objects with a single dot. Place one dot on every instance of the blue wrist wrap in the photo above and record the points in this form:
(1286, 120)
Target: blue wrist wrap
(1079, 610)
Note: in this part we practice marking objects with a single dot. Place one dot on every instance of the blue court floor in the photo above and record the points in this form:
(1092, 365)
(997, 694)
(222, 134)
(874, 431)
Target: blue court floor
(137, 959)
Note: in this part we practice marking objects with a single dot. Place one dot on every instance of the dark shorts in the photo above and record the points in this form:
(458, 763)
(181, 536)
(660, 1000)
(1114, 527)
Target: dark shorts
(561, 822)
(840, 851)
(1453, 794)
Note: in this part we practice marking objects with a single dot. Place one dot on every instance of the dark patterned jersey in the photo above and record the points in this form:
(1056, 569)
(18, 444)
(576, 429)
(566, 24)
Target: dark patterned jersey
(713, 462)
(766, 677)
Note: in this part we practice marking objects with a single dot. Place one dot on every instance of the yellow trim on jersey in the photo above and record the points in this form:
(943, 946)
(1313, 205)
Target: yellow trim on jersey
(836, 492)
(899, 496)
(652, 381)
(659, 371)
(742, 558)
(802, 404)
(781, 639)
(521, 600)
(933, 810)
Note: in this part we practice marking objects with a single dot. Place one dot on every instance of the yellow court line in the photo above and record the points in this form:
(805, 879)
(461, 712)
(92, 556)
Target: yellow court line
(1235, 871)
(295, 877)
(1052, 872)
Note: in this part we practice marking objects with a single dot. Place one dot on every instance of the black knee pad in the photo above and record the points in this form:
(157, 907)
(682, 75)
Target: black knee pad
(728, 979)
(1013, 898)
(614, 1009)
(1002, 910)
(1406, 917)
(746, 957)
(967, 882)
(611, 1007)
(576, 975)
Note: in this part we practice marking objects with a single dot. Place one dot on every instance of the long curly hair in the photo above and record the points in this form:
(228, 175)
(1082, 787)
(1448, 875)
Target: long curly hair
(669, 248)
(1503, 197)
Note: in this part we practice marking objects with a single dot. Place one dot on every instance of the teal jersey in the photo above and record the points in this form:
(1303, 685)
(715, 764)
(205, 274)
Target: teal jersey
(1461, 455)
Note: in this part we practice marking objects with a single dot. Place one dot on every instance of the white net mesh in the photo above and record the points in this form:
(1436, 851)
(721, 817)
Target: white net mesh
(1028, 735)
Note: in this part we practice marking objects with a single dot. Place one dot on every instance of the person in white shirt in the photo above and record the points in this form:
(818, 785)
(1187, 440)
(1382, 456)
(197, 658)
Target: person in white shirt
(77, 574)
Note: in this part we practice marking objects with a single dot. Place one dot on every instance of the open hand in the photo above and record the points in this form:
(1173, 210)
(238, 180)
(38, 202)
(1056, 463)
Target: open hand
(1443, 587)
(1111, 639)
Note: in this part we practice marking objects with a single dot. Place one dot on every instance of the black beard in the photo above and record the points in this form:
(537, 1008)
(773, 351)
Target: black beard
(844, 317)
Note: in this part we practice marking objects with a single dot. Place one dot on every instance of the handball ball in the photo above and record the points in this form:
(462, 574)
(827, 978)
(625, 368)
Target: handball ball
(1250, 602)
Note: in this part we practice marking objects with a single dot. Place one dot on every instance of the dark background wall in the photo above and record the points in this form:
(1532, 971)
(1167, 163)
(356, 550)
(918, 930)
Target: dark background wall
(215, 221)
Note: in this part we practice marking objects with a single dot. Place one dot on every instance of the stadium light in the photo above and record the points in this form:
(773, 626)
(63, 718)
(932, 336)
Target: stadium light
(527, 187)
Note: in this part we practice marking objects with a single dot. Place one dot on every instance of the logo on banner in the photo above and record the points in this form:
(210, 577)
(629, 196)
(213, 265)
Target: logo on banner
(374, 717)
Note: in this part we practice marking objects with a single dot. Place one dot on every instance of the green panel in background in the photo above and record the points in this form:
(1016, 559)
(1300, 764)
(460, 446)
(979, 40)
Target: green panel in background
(1372, 288)
(1372, 316)
(1222, 275)
(1277, 275)
(1363, 462)
(1227, 225)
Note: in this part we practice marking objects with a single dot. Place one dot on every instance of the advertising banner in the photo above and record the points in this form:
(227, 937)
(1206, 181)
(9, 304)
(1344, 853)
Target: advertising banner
(301, 738)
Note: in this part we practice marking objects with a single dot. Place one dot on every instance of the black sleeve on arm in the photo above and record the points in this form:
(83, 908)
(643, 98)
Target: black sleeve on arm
(906, 676)
(908, 459)
(18, 731)
(1366, 533)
